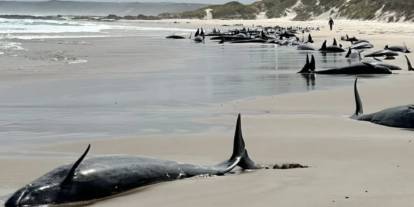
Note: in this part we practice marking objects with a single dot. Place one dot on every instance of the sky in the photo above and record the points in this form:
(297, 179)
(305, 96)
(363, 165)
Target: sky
(181, 1)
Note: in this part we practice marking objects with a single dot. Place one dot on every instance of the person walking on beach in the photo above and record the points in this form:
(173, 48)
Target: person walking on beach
(331, 23)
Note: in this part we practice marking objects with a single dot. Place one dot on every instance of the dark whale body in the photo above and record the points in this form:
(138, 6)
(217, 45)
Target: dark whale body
(96, 178)
(400, 116)
(402, 49)
(177, 37)
(382, 53)
(256, 40)
(354, 69)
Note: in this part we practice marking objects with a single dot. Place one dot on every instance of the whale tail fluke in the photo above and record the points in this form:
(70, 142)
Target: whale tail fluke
(312, 64)
(358, 102)
(239, 156)
(309, 66)
(305, 68)
(410, 67)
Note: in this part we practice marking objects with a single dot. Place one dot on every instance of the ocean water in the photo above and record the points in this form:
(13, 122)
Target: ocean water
(45, 29)
(195, 79)
(12, 26)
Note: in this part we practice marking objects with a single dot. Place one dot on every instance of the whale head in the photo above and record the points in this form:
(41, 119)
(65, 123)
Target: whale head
(54, 187)
(34, 195)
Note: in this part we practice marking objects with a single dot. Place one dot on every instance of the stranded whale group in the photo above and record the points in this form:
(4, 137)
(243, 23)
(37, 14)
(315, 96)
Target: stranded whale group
(91, 179)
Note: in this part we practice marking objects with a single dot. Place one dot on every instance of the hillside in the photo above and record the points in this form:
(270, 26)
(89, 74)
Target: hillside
(55, 7)
(384, 10)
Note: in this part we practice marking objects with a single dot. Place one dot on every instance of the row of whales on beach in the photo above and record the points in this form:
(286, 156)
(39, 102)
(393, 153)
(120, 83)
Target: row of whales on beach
(288, 36)
(89, 180)
(354, 69)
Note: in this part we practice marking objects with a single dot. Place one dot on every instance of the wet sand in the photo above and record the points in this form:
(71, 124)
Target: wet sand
(352, 163)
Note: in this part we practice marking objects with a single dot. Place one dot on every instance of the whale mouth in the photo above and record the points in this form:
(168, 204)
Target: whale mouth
(16, 198)
(14, 201)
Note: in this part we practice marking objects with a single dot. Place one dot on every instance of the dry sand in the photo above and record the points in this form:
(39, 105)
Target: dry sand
(352, 163)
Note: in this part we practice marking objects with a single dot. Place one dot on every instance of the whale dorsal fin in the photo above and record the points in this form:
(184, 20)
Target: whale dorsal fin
(310, 38)
(238, 145)
(323, 47)
(71, 172)
(410, 67)
(334, 42)
(358, 102)
(239, 156)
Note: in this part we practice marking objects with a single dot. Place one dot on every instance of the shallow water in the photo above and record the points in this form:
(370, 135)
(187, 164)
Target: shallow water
(194, 79)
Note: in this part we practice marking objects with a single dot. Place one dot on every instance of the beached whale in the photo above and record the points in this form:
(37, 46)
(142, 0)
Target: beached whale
(402, 49)
(177, 37)
(255, 40)
(400, 116)
(382, 53)
(354, 69)
(349, 39)
(332, 48)
(362, 45)
(88, 180)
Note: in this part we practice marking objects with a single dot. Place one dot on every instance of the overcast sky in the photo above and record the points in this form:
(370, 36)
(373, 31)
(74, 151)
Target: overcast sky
(186, 1)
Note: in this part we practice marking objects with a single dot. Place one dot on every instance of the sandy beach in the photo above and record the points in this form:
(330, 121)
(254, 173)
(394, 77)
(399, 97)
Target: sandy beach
(352, 163)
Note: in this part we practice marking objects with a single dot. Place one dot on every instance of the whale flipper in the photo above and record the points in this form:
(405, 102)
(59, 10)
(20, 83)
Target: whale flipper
(358, 103)
(71, 172)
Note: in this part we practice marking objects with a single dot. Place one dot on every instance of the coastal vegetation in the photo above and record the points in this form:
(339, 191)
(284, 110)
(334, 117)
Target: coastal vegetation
(385, 10)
